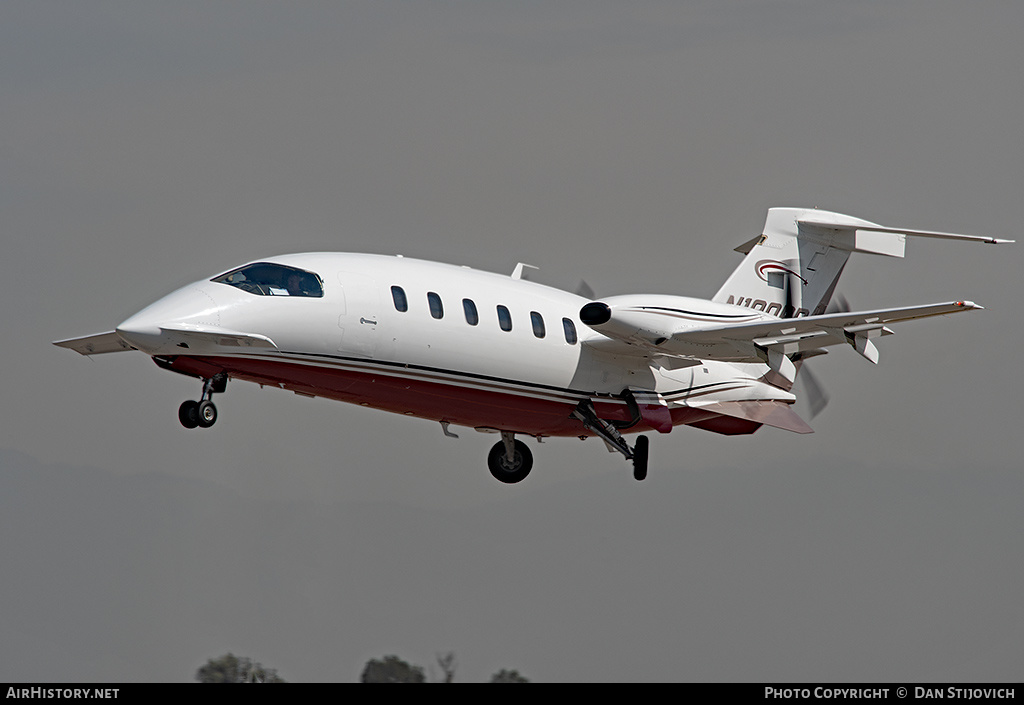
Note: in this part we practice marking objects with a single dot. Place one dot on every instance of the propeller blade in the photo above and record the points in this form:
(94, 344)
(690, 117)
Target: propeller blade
(839, 304)
(583, 289)
(817, 397)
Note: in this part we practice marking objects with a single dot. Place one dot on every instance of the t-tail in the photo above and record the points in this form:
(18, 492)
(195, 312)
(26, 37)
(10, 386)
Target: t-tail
(792, 268)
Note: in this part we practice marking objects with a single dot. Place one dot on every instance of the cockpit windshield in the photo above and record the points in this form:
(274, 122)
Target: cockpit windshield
(268, 279)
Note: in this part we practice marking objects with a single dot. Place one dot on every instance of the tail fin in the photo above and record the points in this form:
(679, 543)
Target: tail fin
(792, 268)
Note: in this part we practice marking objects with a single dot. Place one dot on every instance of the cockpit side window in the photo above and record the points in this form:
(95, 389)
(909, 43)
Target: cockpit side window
(268, 279)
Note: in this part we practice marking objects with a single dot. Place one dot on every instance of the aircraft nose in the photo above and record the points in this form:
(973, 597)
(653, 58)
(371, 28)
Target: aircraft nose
(191, 304)
(136, 333)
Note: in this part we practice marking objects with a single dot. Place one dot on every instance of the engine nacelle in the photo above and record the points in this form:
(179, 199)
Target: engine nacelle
(653, 318)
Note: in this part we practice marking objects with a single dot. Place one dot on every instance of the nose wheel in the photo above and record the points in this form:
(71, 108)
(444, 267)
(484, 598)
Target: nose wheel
(197, 413)
(202, 413)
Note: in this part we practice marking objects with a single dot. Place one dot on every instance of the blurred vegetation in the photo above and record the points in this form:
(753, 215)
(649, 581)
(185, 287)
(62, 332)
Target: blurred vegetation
(506, 676)
(389, 669)
(232, 669)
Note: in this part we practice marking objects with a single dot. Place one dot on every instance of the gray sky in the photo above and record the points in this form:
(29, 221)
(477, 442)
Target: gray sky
(147, 145)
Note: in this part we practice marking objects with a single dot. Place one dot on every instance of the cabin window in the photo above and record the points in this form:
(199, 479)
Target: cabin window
(504, 318)
(570, 331)
(269, 279)
(398, 296)
(436, 308)
(472, 318)
(538, 324)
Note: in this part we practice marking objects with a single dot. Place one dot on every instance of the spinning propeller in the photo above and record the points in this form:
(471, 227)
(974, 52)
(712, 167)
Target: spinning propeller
(817, 397)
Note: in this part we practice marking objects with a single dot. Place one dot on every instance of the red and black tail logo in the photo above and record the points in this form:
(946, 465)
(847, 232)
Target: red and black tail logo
(765, 267)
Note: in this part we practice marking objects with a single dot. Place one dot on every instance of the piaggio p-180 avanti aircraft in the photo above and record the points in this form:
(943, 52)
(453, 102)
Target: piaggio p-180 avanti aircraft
(512, 357)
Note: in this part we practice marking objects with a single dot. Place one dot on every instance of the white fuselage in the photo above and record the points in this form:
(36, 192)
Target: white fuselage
(471, 347)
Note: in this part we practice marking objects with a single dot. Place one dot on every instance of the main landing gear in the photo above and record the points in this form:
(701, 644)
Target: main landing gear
(510, 460)
(203, 413)
(586, 413)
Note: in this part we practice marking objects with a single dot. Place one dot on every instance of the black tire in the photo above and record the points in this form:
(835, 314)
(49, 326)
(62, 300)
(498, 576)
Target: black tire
(510, 473)
(640, 452)
(188, 414)
(206, 414)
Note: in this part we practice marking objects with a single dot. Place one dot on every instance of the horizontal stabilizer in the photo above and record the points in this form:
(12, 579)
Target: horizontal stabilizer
(832, 224)
(97, 344)
(792, 268)
(771, 413)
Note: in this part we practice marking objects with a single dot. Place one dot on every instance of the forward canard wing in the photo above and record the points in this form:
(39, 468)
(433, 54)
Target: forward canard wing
(195, 338)
(211, 335)
(151, 341)
(97, 344)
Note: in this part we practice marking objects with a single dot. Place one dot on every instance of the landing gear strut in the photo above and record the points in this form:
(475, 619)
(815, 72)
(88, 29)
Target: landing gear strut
(510, 460)
(586, 413)
(203, 413)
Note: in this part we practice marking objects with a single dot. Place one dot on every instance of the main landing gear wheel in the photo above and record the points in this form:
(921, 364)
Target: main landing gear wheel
(608, 432)
(640, 458)
(506, 469)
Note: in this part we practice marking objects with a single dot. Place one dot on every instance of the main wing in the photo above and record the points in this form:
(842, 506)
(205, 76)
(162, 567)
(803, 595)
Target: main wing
(752, 342)
(676, 337)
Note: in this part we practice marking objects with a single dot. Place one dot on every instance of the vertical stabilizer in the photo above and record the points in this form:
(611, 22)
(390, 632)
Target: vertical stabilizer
(792, 268)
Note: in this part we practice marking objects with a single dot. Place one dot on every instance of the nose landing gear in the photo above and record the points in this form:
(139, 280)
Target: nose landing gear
(203, 413)
(197, 413)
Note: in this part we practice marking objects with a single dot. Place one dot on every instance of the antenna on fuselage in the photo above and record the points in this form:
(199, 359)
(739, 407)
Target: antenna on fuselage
(517, 273)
